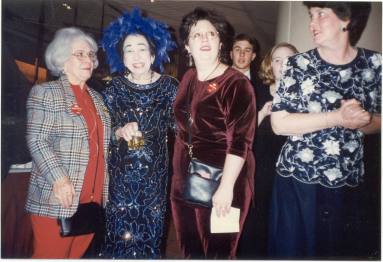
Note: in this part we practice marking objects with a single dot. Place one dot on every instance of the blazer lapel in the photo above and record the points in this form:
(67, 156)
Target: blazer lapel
(99, 105)
(102, 111)
(69, 97)
(71, 104)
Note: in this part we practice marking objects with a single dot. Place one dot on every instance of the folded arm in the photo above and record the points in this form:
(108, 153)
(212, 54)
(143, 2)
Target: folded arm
(350, 115)
(374, 126)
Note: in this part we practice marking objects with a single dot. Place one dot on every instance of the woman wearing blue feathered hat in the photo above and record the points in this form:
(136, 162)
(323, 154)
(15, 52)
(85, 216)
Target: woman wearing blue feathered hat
(140, 101)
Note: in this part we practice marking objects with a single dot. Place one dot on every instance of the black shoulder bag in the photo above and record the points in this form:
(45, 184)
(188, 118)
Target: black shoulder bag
(199, 190)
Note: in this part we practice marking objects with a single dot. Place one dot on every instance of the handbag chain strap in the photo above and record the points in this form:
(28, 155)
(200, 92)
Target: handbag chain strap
(95, 116)
(190, 119)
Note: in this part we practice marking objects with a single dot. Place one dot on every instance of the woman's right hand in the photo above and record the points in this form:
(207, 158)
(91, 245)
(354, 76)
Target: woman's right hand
(352, 115)
(128, 131)
(265, 111)
(64, 191)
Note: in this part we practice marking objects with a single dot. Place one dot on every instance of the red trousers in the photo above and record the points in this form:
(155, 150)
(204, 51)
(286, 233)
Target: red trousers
(49, 244)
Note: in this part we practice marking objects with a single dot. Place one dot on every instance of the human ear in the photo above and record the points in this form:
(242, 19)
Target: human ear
(345, 25)
(253, 56)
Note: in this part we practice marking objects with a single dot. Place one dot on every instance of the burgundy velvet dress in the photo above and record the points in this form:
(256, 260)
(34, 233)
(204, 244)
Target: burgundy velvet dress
(224, 114)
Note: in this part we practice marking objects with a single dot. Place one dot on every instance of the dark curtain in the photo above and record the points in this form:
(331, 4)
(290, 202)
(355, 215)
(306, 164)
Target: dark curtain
(14, 92)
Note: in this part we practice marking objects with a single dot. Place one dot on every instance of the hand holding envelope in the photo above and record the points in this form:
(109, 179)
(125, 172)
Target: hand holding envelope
(225, 224)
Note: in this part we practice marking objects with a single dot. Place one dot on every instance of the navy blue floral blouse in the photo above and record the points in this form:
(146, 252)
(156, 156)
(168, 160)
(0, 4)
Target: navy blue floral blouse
(332, 157)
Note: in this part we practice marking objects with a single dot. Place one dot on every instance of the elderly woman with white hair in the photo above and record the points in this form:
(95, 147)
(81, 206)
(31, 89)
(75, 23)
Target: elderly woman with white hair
(68, 131)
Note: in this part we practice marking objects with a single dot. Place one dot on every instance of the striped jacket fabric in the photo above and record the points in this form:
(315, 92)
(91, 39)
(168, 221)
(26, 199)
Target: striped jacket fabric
(57, 139)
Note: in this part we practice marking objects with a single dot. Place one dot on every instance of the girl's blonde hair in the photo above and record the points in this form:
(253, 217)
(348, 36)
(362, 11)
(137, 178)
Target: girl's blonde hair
(266, 71)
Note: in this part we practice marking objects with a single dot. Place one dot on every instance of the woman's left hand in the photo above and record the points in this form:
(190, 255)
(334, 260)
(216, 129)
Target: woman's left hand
(353, 116)
(63, 190)
(222, 199)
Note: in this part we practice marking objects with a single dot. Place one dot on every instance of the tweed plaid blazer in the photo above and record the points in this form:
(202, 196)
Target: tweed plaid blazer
(57, 139)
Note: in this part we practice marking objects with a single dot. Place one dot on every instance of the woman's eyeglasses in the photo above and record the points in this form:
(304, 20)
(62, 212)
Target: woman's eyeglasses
(82, 55)
(199, 35)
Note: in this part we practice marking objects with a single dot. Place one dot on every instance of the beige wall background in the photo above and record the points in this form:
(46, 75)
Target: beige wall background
(293, 24)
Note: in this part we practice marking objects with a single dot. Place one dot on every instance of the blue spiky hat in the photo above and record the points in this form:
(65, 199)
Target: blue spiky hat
(134, 23)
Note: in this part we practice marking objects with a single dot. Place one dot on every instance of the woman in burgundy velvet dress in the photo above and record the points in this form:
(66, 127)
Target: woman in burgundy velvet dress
(222, 105)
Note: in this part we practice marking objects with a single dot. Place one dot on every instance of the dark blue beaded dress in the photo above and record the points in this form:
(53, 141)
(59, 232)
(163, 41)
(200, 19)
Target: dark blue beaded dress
(138, 178)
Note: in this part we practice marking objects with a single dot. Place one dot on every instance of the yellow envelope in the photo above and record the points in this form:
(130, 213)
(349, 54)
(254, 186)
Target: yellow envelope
(225, 224)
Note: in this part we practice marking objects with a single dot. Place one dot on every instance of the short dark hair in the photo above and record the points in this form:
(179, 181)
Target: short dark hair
(253, 41)
(224, 28)
(356, 12)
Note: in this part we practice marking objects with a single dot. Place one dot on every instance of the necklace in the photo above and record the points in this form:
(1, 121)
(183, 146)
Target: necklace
(215, 68)
(138, 81)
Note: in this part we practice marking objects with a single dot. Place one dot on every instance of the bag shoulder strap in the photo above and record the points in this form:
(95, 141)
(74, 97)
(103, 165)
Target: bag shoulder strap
(190, 119)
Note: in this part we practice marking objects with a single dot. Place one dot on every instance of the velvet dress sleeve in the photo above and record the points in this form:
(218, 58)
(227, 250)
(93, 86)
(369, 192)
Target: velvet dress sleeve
(240, 109)
(179, 105)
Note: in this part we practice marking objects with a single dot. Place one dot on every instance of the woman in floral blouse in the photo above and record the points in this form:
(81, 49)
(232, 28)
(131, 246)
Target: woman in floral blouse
(327, 100)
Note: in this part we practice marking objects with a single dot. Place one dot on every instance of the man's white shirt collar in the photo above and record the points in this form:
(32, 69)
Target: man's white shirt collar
(247, 73)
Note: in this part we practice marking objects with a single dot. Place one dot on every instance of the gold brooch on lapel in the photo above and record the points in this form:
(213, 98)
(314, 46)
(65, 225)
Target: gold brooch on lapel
(105, 109)
(212, 87)
(76, 109)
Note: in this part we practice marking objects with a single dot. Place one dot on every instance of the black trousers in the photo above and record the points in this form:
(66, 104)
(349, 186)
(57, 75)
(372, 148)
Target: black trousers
(310, 221)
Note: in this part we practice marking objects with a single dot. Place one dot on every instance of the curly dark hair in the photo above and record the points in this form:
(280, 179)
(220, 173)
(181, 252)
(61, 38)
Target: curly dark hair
(356, 12)
(224, 28)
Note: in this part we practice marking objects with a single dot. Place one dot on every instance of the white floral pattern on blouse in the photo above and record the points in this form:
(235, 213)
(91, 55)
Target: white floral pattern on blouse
(332, 157)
